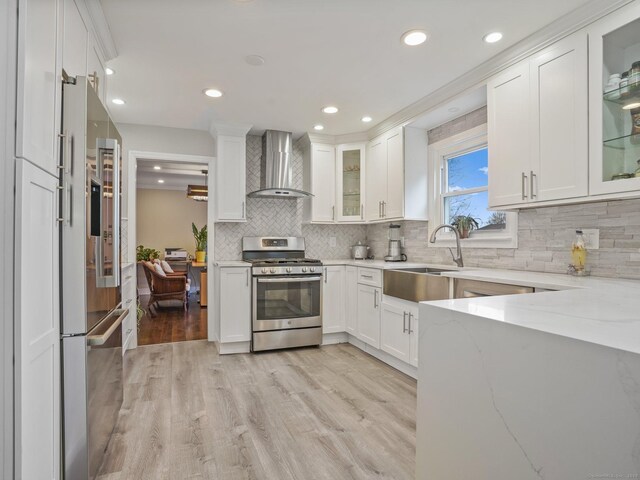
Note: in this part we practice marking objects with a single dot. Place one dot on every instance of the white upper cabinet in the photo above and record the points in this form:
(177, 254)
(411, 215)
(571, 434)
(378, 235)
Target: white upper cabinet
(393, 207)
(614, 144)
(231, 173)
(508, 133)
(385, 177)
(538, 127)
(350, 166)
(333, 299)
(320, 180)
(75, 40)
(39, 84)
(375, 181)
(560, 119)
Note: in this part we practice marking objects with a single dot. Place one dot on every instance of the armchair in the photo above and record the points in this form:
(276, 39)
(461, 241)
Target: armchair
(173, 286)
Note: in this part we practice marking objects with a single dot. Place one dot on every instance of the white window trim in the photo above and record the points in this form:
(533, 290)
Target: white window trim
(438, 152)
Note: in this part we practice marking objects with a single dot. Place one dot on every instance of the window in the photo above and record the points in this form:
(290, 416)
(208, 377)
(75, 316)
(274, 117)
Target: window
(459, 165)
(466, 190)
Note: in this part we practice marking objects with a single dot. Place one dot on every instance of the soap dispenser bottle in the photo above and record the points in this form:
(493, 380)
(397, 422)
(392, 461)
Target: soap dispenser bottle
(578, 255)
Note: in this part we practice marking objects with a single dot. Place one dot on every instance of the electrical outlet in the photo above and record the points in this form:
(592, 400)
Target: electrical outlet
(591, 238)
(332, 241)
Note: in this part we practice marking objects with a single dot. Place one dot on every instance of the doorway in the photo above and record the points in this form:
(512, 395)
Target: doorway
(168, 197)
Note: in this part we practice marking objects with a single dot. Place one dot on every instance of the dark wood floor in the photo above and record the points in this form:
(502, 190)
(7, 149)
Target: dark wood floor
(172, 323)
(328, 413)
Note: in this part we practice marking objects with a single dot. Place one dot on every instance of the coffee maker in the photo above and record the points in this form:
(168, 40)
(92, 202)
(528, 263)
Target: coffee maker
(395, 245)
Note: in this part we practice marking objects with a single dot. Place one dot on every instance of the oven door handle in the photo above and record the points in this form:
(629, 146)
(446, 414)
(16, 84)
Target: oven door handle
(289, 279)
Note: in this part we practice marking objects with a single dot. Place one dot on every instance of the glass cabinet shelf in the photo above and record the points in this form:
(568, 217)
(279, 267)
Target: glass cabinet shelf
(624, 96)
(624, 142)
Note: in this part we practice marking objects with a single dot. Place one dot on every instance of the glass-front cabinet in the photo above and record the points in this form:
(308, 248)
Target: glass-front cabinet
(350, 182)
(614, 92)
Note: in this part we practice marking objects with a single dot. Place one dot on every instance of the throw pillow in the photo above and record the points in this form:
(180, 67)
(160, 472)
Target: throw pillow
(166, 267)
(159, 270)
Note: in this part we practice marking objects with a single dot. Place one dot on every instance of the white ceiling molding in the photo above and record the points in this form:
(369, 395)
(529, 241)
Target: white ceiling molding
(101, 29)
(335, 139)
(232, 130)
(563, 27)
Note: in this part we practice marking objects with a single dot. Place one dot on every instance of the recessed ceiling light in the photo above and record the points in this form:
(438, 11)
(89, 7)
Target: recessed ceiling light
(330, 109)
(318, 127)
(492, 37)
(366, 119)
(157, 167)
(213, 93)
(631, 106)
(414, 37)
(109, 71)
(118, 101)
(254, 60)
(160, 181)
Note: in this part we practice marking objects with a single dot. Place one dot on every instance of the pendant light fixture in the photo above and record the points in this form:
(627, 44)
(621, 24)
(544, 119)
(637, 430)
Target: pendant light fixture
(199, 193)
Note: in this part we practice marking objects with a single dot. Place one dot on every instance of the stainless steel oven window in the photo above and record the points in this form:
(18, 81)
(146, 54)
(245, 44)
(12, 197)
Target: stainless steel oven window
(282, 298)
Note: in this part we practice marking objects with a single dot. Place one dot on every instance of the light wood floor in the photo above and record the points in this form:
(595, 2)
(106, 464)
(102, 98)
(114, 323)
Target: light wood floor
(318, 413)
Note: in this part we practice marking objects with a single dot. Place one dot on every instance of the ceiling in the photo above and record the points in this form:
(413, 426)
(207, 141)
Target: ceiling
(175, 175)
(345, 53)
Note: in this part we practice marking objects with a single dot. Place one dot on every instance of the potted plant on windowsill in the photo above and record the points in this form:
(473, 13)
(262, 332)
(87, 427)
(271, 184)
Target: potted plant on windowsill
(465, 224)
(201, 242)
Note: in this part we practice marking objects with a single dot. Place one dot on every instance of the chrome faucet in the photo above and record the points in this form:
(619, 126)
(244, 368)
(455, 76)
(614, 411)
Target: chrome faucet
(458, 257)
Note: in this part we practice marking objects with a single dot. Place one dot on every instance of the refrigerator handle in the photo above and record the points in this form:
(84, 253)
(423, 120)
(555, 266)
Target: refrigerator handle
(101, 339)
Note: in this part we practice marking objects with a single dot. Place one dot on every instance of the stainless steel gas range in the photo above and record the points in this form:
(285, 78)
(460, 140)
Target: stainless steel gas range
(286, 294)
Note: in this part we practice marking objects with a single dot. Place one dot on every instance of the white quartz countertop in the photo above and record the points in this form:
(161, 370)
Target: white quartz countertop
(592, 309)
(231, 263)
(381, 264)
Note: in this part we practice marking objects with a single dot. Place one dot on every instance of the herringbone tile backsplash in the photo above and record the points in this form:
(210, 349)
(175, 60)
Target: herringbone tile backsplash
(268, 216)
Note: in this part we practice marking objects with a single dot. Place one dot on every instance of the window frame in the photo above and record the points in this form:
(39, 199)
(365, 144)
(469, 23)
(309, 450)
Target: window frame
(439, 152)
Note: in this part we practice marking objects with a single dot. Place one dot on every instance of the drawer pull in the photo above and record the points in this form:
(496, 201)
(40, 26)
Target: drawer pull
(367, 276)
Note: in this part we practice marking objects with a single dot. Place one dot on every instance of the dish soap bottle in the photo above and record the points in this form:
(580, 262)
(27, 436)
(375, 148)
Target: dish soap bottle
(578, 255)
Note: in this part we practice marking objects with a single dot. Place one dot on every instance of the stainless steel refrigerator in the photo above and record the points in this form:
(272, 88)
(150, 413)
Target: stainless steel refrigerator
(92, 313)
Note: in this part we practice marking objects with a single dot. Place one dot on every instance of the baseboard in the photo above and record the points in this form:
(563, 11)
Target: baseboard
(234, 347)
(333, 338)
(385, 357)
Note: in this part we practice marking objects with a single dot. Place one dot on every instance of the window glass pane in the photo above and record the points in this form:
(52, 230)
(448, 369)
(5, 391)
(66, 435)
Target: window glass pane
(467, 171)
(475, 205)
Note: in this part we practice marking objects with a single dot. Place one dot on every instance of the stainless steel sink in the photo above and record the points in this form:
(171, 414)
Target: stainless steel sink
(417, 284)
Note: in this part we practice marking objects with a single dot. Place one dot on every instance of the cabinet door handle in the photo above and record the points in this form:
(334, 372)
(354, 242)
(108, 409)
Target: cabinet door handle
(410, 316)
(325, 274)
(384, 209)
(404, 322)
(243, 215)
(524, 186)
(375, 299)
(361, 211)
(247, 272)
(533, 195)
(333, 212)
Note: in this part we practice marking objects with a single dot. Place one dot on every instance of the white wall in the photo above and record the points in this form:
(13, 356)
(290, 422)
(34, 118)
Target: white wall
(149, 138)
(8, 25)
(163, 219)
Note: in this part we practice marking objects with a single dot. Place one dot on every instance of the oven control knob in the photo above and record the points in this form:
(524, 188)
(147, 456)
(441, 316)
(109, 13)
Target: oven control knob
(304, 269)
(289, 269)
(272, 270)
(312, 269)
(264, 270)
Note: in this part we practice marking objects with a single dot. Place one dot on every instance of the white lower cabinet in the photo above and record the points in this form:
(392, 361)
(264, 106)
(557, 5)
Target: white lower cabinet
(37, 361)
(351, 300)
(369, 305)
(399, 330)
(333, 305)
(234, 304)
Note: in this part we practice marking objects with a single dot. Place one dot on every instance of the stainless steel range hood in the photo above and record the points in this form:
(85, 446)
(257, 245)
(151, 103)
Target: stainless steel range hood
(276, 167)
